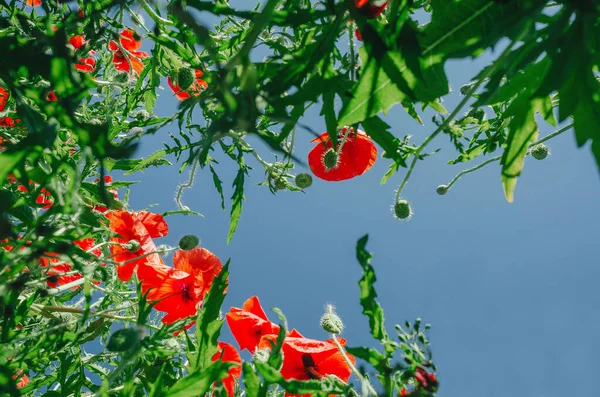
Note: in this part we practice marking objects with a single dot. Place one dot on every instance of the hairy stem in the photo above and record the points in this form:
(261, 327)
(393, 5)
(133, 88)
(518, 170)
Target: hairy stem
(366, 384)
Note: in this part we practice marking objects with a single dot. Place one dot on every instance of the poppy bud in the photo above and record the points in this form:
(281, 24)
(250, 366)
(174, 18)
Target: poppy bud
(331, 159)
(189, 242)
(303, 181)
(331, 322)
(442, 189)
(185, 78)
(465, 88)
(262, 356)
(539, 151)
(133, 246)
(477, 113)
(402, 210)
(122, 77)
(125, 339)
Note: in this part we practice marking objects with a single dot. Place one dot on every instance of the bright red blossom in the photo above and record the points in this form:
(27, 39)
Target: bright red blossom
(371, 8)
(139, 226)
(131, 42)
(87, 64)
(8, 122)
(51, 97)
(357, 156)
(196, 88)
(4, 95)
(305, 359)
(228, 354)
(58, 268)
(249, 324)
(180, 289)
(23, 380)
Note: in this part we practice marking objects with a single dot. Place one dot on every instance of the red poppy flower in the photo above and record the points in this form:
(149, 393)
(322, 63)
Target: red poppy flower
(426, 380)
(23, 380)
(8, 121)
(4, 95)
(249, 324)
(51, 97)
(371, 8)
(139, 226)
(87, 64)
(305, 359)
(180, 289)
(58, 268)
(43, 199)
(107, 181)
(228, 354)
(196, 88)
(131, 42)
(358, 35)
(357, 156)
(34, 3)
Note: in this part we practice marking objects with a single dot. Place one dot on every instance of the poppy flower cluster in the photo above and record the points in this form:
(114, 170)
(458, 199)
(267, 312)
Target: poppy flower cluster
(303, 358)
(4, 96)
(179, 290)
(357, 155)
(423, 381)
(44, 198)
(87, 64)
(125, 52)
(61, 273)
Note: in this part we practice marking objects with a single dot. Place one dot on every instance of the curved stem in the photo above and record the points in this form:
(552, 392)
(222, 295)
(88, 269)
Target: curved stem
(186, 184)
(497, 158)
(458, 108)
(157, 18)
(366, 384)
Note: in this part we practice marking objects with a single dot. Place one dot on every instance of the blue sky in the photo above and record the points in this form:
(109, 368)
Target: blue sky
(510, 289)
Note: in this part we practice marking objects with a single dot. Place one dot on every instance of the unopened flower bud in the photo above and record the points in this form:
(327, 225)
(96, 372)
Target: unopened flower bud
(442, 189)
(262, 355)
(304, 181)
(122, 77)
(189, 242)
(185, 78)
(540, 151)
(133, 246)
(402, 210)
(331, 322)
(330, 159)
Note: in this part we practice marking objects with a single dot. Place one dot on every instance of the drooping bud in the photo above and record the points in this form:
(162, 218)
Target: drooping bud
(331, 322)
(125, 339)
(133, 246)
(330, 159)
(402, 210)
(442, 189)
(540, 151)
(189, 242)
(185, 78)
(304, 181)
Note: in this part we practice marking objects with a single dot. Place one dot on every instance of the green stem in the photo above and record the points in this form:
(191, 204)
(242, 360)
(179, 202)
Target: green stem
(157, 18)
(497, 158)
(490, 71)
(366, 384)
(186, 185)
(352, 52)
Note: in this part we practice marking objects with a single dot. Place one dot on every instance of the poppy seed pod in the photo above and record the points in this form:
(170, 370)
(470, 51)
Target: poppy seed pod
(303, 181)
(331, 322)
(122, 77)
(188, 242)
(330, 159)
(185, 78)
(133, 246)
(540, 151)
(402, 210)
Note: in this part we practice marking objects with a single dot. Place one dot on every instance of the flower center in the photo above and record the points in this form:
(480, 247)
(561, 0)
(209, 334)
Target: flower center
(310, 368)
(186, 294)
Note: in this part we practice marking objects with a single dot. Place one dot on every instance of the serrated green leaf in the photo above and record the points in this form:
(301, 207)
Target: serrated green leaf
(238, 197)
(199, 382)
(218, 185)
(251, 380)
(379, 131)
(371, 307)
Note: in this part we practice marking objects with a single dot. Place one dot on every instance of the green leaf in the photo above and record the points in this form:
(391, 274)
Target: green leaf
(379, 131)
(251, 380)
(522, 131)
(238, 196)
(208, 325)
(218, 185)
(371, 307)
(132, 164)
(199, 382)
(370, 355)
(8, 161)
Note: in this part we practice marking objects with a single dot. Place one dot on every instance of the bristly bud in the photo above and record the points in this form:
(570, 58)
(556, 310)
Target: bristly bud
(539, 151)
(189, 242)
(262, 355)
(402, 210)
(133, 246)
(303, 181)
(331, 322)
(185, 78)
(330, 159)
(442, 189)
(122, 77)
(465, 88)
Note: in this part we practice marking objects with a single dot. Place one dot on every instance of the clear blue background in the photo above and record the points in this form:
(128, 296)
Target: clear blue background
(510, 289)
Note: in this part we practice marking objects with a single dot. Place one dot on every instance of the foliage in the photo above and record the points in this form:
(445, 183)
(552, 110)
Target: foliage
(79, 83)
